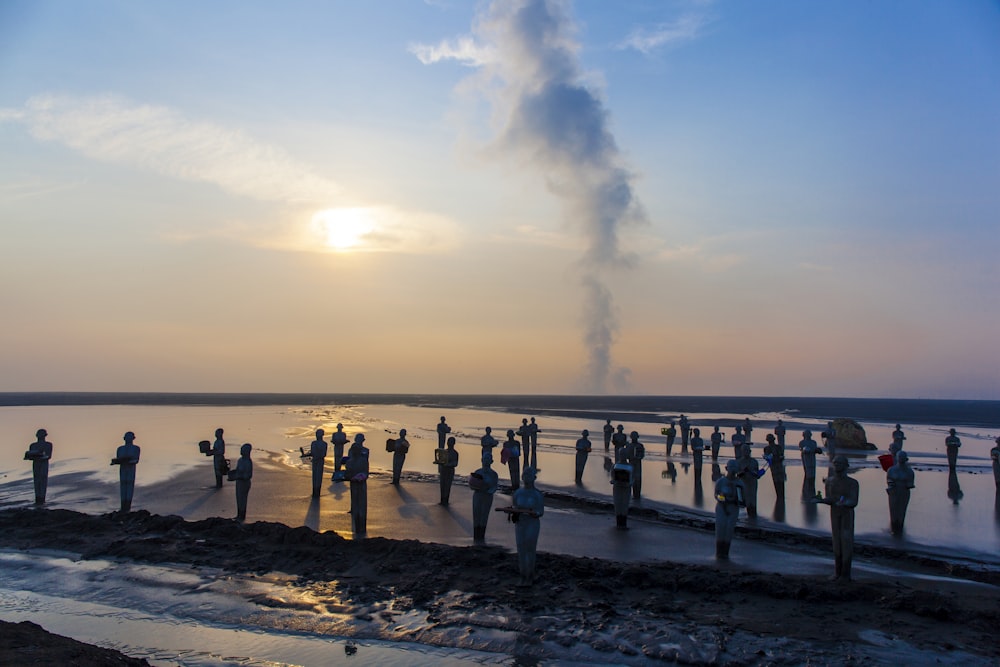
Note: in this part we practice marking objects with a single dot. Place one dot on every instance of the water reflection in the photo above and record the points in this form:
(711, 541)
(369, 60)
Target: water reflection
(954, 489)
(699, 492)
(779, 507)
(716, 472)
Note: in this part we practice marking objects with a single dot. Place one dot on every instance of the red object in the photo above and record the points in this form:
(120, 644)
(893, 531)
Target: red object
(887, 461)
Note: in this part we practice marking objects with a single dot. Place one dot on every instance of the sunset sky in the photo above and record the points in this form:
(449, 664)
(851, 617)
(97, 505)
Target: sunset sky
(641, 196)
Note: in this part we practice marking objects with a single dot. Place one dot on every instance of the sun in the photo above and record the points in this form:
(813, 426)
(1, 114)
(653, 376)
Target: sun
(343, 228)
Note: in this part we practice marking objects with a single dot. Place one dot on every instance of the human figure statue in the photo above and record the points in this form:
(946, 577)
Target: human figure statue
(779, 433)
(899, 480)
(582, 452)
(511, 455)
(39, 453)
(317, 452)
(829, 436)
(842, 497)
(531, 506)
(242, 476)
(126, 457)
(738, 441)
(524, 431)
(697, 451)
(488, 442)
(774, 452)
(748, 431)
(338, 439)
(608, 431)
(482, 497)
(619, 440)
(443, 430)
(951, 445)
(685, 432)
(533, 432)
(671, 436)
(399, 455)
(717, 439)
(809, 449)
(995, 456)
(356, 471)
(897, 442)
(749, 473)
(636, 452)
(621, 488)
(446, 470)
(728, 497)
(218, 454)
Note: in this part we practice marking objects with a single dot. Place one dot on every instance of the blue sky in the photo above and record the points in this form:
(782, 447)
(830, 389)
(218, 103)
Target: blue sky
(687, 197)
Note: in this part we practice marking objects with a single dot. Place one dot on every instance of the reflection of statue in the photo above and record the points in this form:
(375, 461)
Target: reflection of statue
(242, 476)
(608, 431)
(39, 453)
(717, 439)
(809, 450)
(399, 451)
(671, 472)
(899, 480)
(671, 436)
(125, 458)
(621, 486)
(842, 497)
(219, 461)
(356, 470)
(443, 430)
(728, 490)
(955, 492)
(748, 469)
(775, 454)
(636, 453)
(317, 451)
(779, 432)
(531, 506)
(582, 451)
(339, 439)
(447, 471)
(482, 496)
(716, 472)
(738, 440)
(951, 444)
(511, 455)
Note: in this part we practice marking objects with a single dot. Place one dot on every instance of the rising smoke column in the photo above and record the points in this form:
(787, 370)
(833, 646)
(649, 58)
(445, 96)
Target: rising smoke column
(560, 125)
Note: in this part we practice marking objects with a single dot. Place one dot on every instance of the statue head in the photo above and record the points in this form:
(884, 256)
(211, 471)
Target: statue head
(245, 449)
(41, 433)
(902, 457)
(732, 467)
(129, 436)
(840, 464)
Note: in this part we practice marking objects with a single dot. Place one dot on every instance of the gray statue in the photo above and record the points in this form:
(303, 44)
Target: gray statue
(899, 480)
(356, 470)
(488, 442)
(636, 452)
(897, 441)
(447, 470)
(774, 452)
(484, 484)
(242, 476)
(621, 488)
(125, 458)
(738, 441)
(582, 451)
(717, 440)
(608, 432)
(728, 497)
(511, 455)
(399, 451)
(842, 497)
(749, 471)
(39, 453)
(317, 452)
(829, 436)
(748, 431)
(697, 451)
(219, 461)
(443, 430)
(995, 455)
(525, 432)
(951, 444)
(530, 506)
(339, 440)
(619, 440)
(779, 432)
(671, 433)
(533, 432)
(685, 432)
(809, 449)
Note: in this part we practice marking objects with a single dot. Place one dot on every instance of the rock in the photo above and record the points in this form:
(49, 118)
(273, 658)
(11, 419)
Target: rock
(851, 435)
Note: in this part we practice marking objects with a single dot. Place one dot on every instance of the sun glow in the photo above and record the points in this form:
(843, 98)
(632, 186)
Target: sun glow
(343, 228)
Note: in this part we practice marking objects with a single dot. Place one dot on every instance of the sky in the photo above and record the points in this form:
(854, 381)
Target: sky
(668, 197)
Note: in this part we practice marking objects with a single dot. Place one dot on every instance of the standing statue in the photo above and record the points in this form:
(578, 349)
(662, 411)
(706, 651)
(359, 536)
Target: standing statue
(488, 442)
(219, 461)
(636, 453)
(897, 441)
(447, 470)
(671, 433)
(951, 444)
(608, 431)
(442, 430)
(685, 432)
(126, 457)
(697, 452)
(899, 480)
(511, 455)
(39, 453)
(619, 440)
(995, 455)
(582, 452)
(779, 432)
(529, 506)
(621, 487)
(829, 436)
(317, 452)
(774, 452)
(738, 440)
(728, 497)
(525, 432)
(748, 431)
(842, 497)
(748, 472)
(809, 449)
(717, 440)
(356, 470)
(242, 476)
(484, 484)
(533, 432)
(338, 439)
(399, 451)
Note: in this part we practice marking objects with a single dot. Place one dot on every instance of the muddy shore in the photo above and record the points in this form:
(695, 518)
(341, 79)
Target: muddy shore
(657, 611)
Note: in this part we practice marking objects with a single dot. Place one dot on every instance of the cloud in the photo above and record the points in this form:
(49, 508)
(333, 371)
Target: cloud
(161, 140)
(463, 49)
(648, 39)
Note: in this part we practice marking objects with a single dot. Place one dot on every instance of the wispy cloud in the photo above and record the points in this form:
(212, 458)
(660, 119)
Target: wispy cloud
(647, 39)
(164, 141)
(463, 49)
